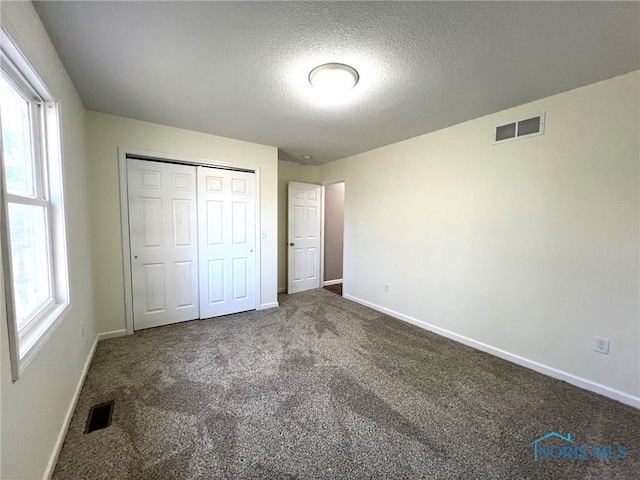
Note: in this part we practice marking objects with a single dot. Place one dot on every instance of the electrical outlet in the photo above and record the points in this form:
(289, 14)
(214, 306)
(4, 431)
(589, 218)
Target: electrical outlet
(386, 288)
(601, 345)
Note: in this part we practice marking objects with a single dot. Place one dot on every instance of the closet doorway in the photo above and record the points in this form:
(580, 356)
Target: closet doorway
(191, 241)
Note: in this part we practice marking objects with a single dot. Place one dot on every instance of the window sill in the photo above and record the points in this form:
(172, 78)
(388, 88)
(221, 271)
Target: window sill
(31, 343)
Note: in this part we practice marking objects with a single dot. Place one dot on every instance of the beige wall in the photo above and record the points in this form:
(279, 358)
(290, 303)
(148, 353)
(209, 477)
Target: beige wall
(530, 246)
(34, 407)
(333, 230)
(289, 172)
(105, 133)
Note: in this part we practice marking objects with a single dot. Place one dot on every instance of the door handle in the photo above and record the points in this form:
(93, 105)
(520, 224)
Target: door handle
(291, 244)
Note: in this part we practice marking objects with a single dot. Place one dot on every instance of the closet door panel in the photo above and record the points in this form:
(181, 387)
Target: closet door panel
(227, 247)
(163, 240)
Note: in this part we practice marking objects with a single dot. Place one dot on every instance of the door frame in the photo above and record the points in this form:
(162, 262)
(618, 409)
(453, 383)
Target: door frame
(123, 152)
(344, 231)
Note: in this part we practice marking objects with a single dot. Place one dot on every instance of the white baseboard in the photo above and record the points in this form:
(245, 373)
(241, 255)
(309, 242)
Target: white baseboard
(113, 334)
(266, 306)
(332, 282)
(67, 419)
(282, 289)
(538, 367)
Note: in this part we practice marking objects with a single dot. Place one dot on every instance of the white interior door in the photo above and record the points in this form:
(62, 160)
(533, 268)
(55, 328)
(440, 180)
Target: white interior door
(163, 240)
(226, 215)
(304, 237)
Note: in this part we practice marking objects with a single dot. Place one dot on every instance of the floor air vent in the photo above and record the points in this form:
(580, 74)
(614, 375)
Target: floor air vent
(528, 127)
(99, 417)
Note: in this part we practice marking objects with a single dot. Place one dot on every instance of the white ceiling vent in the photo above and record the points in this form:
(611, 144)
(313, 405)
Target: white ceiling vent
(528, 127)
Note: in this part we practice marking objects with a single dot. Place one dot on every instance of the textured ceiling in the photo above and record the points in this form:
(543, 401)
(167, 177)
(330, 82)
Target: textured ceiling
(239, 69)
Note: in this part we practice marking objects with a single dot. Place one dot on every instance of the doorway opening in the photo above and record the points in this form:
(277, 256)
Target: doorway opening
(315, 236)
(333, 251)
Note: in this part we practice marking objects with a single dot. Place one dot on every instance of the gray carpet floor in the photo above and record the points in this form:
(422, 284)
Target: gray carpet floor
(324, 388)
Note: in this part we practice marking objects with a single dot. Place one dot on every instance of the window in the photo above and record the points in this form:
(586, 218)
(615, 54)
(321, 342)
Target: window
(33, 240)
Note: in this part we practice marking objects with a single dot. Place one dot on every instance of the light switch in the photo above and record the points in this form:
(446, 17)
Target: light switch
(263, 234)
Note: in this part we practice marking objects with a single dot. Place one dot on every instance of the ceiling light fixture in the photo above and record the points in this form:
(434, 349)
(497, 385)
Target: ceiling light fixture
(306, 157)
(333, 77)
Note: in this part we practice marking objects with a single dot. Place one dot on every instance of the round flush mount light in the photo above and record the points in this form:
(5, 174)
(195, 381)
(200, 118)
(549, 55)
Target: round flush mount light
(306, 157)
(333, 77)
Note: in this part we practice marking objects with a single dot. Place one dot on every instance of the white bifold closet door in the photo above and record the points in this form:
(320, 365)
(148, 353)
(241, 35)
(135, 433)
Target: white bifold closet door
(226, 217)
(163, 232)
(192, 233)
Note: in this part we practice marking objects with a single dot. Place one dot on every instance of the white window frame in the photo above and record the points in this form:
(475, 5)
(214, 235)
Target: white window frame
(25, 341)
